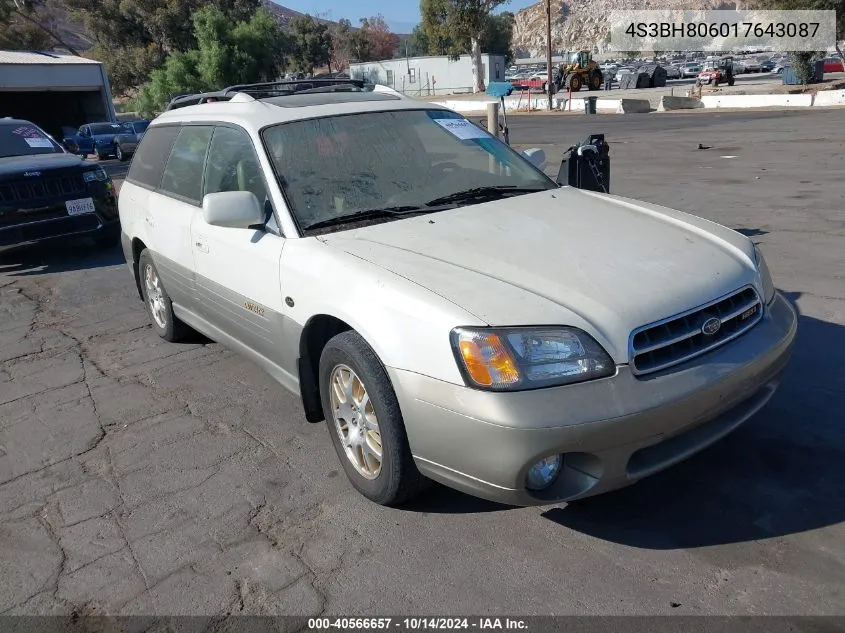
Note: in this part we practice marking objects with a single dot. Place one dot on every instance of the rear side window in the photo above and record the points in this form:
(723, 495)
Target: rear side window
(183, 175)
(151, 156)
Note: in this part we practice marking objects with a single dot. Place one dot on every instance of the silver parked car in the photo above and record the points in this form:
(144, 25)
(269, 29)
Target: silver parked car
(127, 140)
(448, 309)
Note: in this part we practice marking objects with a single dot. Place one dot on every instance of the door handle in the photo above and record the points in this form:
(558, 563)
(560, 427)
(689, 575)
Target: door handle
(201, 244)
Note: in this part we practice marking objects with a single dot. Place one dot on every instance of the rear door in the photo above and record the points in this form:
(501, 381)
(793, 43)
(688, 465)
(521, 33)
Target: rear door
(170, 210)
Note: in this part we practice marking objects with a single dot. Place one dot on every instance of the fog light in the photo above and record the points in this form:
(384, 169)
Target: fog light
(543, 474)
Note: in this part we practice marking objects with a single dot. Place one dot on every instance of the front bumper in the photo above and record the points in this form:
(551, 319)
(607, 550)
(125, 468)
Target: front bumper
(612, 432)
(58, 225)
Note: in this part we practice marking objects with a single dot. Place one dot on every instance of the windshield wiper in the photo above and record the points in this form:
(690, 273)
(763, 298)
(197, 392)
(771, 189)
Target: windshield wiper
(368, 214)
(491, 192)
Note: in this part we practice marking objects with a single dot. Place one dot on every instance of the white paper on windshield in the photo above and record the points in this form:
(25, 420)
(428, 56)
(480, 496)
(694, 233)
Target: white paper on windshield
(39, 142)
(462, 128)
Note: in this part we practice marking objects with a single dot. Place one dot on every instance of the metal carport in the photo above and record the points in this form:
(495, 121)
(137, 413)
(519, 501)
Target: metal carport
(54, 90)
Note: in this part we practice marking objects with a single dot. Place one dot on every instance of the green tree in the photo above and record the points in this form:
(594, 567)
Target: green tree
(435, 29)
(341, 34)
(311, 43)
(498, 36)
(134, 37)
(227, 53)
(417, 43)
(24, 27)
(811, 5)
(454, 27)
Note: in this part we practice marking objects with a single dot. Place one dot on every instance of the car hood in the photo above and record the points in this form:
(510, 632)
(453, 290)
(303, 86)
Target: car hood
(14, 165)
(603, 263)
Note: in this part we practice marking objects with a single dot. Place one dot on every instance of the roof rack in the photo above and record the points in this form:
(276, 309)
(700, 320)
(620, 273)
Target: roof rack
(291, 86)
(274, 89)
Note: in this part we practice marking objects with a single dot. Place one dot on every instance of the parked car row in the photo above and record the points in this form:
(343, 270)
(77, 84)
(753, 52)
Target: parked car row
(106, 139)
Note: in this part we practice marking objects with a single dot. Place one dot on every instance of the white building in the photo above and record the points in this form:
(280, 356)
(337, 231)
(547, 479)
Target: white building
(54, 90)
(429, 75)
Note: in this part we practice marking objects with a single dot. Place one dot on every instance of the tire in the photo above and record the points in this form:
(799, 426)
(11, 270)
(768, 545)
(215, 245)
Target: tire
(101, 156)
(118, 152)
(396, 478)
(595, 81)
(575, 83)
(731, 82)
(170, 328)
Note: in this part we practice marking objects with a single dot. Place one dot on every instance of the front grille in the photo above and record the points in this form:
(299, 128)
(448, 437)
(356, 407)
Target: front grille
(28, 192)
(680, 338)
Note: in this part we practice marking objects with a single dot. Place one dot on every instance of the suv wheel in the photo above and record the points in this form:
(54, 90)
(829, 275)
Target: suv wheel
(158, 302)
(118, 153)
(365, 422)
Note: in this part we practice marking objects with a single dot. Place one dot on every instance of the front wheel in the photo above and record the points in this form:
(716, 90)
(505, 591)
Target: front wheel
(365, 422)
(118, 152)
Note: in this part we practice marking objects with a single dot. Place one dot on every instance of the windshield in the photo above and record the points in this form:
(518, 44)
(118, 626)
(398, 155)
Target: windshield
(344, 165)
(24, 139)
(98, 129)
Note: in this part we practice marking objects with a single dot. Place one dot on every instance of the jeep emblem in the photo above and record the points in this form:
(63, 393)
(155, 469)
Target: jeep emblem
(711, 326)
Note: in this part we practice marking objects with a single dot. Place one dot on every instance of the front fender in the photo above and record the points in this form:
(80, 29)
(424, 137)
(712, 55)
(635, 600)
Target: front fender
(407, 325)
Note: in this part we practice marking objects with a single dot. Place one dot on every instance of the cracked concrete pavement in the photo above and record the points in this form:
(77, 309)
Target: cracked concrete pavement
(142, 477)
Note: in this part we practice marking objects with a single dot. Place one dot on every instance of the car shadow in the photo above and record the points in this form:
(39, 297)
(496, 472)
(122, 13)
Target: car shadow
(780, 473)
(751, 232)
(56, 257)
(442, 500)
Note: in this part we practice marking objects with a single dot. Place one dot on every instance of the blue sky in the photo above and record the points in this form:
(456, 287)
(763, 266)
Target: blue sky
(401, 15)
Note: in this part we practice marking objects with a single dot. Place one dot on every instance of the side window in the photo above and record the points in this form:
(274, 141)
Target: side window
(233, 164)
(151, 156)
(184, 170)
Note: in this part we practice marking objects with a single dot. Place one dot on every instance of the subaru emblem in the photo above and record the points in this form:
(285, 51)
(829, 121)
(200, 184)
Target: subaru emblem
(711, 326)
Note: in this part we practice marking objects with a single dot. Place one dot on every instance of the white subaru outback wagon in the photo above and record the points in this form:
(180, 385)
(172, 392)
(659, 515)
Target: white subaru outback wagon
(450, 311)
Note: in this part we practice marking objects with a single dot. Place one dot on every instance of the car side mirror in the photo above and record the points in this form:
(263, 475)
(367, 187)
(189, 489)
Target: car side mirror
(232, 209)
(536, 157)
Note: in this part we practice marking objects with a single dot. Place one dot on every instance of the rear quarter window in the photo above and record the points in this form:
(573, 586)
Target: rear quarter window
(151, 156)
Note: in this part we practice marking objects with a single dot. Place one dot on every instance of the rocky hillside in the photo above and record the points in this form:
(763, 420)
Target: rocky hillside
(582, 24)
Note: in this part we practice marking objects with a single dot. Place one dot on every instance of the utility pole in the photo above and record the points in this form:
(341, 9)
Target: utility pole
(549, 86)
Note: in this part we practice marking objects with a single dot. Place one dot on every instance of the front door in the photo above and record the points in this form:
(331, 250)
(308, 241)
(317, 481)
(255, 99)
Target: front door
(238, 279)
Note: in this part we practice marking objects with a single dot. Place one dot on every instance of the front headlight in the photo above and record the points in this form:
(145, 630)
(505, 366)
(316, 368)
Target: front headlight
(765, 276)
(95, 174)
(518, 358)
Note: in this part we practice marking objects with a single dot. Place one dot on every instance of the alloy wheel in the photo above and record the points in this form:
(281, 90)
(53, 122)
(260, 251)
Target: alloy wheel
(355, 421)
(155, 296)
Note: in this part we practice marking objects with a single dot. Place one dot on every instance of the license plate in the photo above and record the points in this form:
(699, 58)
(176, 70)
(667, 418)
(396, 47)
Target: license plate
(78, 207)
